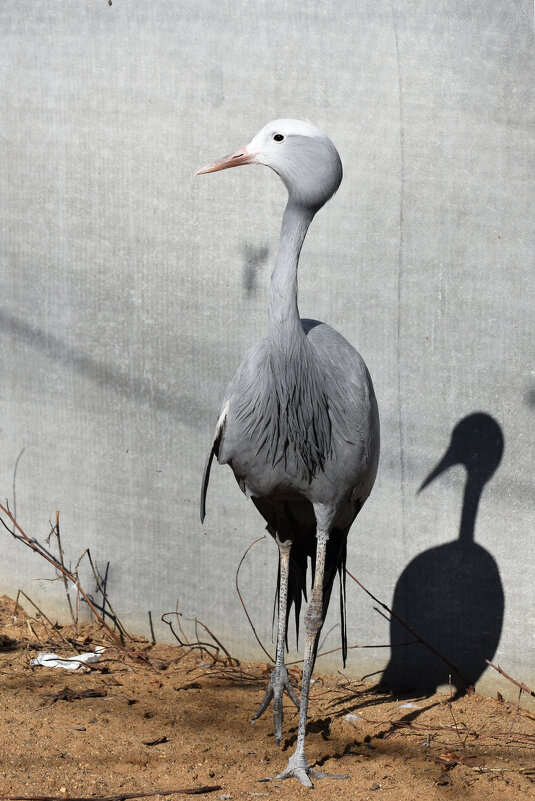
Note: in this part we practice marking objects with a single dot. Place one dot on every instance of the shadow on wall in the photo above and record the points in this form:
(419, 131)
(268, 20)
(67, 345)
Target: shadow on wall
(253, 259)
(105, 375)
(452, 595)
(530, 398)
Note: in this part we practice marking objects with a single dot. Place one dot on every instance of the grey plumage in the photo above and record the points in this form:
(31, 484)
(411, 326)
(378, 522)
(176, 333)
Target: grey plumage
(299, 424)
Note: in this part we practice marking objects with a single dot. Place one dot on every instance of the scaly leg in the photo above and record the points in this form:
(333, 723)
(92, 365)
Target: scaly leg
(298, 766)
(279, 680)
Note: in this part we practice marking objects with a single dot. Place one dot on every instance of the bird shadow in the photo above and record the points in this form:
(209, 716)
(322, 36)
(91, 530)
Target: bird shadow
(529, 397)
(253, 259)
(104, 374)
(451, 595)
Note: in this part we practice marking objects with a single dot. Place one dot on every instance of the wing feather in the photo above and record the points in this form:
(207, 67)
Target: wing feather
(214, 451)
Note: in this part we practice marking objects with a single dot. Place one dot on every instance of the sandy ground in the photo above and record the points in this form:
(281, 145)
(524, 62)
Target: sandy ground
(167, 722)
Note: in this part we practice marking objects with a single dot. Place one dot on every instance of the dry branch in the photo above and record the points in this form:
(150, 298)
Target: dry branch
(105, 600)
(40, 612)
(198, 645)
(519, 684)
(120, 797)
(242, 601)
(55, 530)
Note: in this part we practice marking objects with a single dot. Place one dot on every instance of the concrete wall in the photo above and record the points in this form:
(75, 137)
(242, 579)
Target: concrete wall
(130, 290)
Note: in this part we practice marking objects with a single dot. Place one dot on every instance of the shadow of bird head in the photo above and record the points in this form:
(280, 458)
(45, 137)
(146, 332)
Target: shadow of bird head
(477, 444)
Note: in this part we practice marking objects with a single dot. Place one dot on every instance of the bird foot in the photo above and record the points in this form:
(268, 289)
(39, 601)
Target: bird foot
(278, 682)
(298, 768)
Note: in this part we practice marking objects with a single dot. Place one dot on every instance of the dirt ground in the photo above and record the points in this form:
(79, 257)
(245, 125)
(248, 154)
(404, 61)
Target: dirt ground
(167, 721)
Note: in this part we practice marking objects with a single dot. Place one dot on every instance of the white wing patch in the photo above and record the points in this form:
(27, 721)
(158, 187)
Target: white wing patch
(221, 422)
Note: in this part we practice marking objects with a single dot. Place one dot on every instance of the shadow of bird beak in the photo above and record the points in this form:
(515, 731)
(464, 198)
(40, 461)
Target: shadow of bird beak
(447, 461)
(241, 156)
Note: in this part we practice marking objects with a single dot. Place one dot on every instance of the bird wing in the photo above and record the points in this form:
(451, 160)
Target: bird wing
(213, 452)
(239, 387)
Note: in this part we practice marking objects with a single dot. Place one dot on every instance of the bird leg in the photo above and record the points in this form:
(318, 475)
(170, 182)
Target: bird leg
(280, 679)
(298, 766)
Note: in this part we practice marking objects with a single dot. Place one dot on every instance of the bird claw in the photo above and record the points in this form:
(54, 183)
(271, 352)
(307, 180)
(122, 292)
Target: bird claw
(278, 682)
(298, 768)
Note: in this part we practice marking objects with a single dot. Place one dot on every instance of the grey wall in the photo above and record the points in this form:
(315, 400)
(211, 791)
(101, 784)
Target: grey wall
(130, 290)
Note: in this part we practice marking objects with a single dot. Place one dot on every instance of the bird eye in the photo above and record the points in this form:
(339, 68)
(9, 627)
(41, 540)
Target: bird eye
(278, 137)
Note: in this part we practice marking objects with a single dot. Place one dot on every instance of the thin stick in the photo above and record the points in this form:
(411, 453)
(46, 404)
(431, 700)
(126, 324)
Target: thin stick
(243, 604)
(455, 724)
(178, 616)
(32, 631)
(231, 659)
(188, 791)
(411, 631)
(77, 605)
(65, 580)
(65, 640)
(16, 604)
(352, 647)
(516, 710)
(201, 646)
(105, 600)
(520, 684)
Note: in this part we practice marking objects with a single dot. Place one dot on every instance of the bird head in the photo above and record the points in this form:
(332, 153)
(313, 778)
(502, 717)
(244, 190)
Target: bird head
(303, 156)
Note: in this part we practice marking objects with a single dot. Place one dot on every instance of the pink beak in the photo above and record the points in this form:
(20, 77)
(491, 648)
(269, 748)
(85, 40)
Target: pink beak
(241, 156)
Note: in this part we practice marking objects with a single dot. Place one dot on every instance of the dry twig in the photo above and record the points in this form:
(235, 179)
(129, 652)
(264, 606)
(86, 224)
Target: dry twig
(519, 684)
(203, 647)
(106, 601)
(40, 612)
(455, 724)
(120, 797)
(55, 530)
(243, 604)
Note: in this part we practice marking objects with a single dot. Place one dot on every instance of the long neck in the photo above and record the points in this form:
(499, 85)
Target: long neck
(284, 324)
(472, 494)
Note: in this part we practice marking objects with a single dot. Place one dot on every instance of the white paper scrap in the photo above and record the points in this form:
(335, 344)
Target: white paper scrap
(68, 662)
(351, 718)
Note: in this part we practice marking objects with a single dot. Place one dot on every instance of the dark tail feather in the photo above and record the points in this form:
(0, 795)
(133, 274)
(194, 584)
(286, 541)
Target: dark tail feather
(296, 589)
(343, 617)
(336, 562)
(297, 586)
